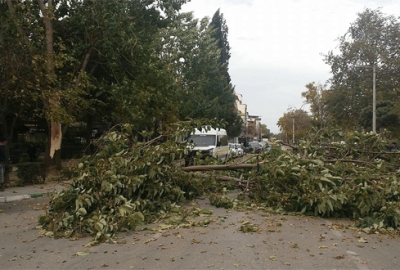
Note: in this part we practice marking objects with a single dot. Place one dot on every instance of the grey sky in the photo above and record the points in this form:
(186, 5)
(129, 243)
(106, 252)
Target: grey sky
(276, 46)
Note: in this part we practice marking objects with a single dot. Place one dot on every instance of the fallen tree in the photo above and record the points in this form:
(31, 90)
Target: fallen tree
(356, 179)
(357, 183)
(125, 184)
(129, 182)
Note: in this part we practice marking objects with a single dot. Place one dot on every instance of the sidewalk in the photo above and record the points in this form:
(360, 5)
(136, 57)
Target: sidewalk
(12, 194)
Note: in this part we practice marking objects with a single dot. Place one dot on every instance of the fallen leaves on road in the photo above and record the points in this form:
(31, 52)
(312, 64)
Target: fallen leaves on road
(83, 253)
(339, 257)
(249, 227)
(362, 240)
(194, 241)
(149, 240)
(40, 206)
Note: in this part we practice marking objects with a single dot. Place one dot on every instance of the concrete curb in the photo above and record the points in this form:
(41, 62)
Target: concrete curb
(13, 198)
(22, 197)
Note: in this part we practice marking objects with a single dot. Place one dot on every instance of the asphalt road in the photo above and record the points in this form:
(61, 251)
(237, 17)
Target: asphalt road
(282, 242)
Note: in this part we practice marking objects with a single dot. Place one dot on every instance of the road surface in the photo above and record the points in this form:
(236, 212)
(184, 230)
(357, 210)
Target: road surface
(281, 242)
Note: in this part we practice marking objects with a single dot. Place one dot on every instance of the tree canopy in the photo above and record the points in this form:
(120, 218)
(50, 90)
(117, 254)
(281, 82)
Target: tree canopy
(295, 124)
(127, 61)
(371, 41)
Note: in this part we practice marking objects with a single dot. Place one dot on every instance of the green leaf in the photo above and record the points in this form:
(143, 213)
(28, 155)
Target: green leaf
(83, 253)
(81, 211)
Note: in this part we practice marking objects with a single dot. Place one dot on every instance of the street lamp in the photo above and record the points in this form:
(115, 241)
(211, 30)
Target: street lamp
(373, 96)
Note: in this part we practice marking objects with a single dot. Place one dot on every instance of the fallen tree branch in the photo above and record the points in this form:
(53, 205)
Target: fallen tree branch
(347, 160)
(221, 167)
(383, 152)
(221, 177)
(247, 185)
(286, 144)
(228, 178)
(356, 161)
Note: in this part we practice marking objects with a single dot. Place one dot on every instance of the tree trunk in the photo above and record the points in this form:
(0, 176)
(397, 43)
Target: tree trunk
(55, 131)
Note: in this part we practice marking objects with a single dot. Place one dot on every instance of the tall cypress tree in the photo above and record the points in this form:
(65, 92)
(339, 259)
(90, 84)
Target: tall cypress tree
(218, 24)
(220, 34)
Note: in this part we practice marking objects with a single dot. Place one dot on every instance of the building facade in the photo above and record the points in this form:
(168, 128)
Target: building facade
(251, 130)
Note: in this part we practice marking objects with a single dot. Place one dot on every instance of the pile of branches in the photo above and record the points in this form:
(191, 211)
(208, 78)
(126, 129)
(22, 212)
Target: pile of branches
(125, 184)
(354, 177)
(129, 183)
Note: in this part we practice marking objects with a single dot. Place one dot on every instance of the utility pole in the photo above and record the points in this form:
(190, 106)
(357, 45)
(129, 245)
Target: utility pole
(374, 99)
(247, 129)
(293, 132)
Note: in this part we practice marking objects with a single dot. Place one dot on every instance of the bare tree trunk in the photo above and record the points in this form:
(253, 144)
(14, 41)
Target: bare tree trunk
(55, 131)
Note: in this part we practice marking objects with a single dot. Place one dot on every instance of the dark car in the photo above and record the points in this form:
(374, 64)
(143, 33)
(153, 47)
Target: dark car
(255, 146)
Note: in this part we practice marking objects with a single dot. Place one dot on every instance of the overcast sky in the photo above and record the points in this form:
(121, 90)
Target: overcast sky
(276, 46)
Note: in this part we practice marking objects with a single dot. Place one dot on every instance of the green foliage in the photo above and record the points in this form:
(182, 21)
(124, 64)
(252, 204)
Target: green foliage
(369, 42)
(125, 184)
(220, 34)
(385, 114)
(353, 179)
(297, 121)
(128, 182)
(31, 173)
(221, 201)
(128, 61)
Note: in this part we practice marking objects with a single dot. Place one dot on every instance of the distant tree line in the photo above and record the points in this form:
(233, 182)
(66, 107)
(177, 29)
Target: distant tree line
(372, 40)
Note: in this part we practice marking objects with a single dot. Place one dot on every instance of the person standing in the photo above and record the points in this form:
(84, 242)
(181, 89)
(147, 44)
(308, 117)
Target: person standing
(3, 160)
(394, 147)
(32, 152)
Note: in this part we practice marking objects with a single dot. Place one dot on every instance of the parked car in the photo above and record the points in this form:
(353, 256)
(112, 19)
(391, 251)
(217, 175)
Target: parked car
(247, 149)
(239, 149)
(236, 149)
(232, 149)
(256, 147)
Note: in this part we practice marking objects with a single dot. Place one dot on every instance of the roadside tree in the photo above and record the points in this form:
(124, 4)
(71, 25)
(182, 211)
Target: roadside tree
(296, 122)
(371, 41)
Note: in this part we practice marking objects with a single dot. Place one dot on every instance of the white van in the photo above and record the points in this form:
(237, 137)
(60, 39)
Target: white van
(210, 142)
